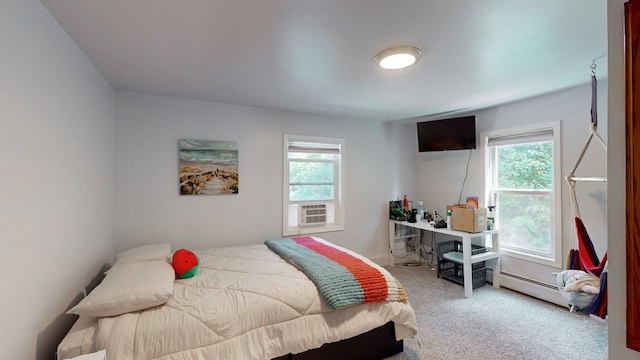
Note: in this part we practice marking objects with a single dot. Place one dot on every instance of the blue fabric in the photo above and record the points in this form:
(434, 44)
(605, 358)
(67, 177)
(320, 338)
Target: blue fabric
(335, 282)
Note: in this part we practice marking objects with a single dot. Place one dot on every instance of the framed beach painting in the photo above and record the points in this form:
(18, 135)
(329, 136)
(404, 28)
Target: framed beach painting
(208, 167)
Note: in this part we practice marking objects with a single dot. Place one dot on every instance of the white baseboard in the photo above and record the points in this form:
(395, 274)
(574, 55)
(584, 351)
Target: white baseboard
(546, 292)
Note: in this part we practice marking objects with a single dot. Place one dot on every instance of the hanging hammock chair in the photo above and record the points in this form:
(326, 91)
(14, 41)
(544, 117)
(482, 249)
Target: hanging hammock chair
(586, 254)
(585, 258)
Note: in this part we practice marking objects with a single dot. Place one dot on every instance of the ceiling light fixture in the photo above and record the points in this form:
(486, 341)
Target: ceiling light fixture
(398, 57)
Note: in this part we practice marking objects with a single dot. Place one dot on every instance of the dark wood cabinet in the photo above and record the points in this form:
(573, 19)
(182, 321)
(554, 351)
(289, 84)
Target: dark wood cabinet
(632, 123)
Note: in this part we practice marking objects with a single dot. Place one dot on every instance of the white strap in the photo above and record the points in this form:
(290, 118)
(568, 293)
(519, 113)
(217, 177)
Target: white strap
(571, 179)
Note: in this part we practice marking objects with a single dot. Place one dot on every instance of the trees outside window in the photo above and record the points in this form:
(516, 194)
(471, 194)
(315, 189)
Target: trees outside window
(522, 177)
(311, 176)
(313, 172)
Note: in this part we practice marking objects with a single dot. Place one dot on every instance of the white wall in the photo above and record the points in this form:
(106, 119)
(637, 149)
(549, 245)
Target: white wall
(616, 184)
(440, 175)
(56, 178)
(56, 171)
(149, 208)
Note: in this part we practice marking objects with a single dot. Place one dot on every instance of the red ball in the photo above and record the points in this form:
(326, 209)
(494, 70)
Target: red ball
(183, 261)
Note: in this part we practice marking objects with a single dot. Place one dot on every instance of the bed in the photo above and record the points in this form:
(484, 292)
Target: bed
(245, 302)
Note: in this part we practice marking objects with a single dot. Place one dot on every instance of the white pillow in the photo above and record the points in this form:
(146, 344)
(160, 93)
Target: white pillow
(145, 253)
(127, 288)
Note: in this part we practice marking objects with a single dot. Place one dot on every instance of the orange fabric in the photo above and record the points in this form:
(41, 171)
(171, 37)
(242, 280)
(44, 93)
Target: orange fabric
(373, 283)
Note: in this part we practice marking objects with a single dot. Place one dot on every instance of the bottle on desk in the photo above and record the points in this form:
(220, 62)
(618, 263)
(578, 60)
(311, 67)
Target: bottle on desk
(491, 219)
(420, 210)
(449, 220)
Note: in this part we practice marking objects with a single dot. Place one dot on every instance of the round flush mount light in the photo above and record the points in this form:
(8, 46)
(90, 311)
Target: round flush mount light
(398, 57)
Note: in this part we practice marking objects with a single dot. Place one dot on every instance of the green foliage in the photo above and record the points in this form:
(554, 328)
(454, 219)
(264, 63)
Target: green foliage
(310, 192)
(525, 166)
(311, 180)
(525, 219)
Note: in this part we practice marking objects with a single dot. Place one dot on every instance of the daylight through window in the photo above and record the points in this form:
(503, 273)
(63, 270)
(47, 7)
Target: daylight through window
(522, 173)
(313, 184)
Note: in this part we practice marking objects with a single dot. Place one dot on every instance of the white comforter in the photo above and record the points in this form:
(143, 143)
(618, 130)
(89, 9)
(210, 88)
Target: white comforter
(245, 303)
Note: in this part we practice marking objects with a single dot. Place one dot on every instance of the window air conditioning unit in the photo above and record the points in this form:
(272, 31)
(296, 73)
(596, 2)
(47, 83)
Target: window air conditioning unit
(312, 214)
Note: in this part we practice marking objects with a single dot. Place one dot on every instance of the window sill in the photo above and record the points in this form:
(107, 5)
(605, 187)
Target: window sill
(308, 230)
(557, 263)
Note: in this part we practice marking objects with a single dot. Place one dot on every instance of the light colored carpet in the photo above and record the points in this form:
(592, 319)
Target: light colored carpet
(493, 324)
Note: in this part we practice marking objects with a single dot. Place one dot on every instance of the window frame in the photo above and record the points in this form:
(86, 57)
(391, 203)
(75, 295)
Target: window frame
(521, 135)
(338, 183)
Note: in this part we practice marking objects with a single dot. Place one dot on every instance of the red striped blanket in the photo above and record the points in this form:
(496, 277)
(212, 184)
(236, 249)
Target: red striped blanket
(342, 277)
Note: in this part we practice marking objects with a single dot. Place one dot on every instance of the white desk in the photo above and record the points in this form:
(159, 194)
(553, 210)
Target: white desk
(467, 258)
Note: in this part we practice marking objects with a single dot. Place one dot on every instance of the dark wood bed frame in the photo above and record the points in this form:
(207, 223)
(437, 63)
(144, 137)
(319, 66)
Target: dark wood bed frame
(376, 344)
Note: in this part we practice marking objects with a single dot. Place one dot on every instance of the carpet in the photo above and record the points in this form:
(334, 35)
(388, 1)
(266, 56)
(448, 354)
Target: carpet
(493, 324)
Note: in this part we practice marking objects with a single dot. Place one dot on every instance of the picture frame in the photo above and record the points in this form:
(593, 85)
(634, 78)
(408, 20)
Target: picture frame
(208, 167)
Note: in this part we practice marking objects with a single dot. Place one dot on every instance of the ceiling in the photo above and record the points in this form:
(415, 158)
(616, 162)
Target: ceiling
(316, 56)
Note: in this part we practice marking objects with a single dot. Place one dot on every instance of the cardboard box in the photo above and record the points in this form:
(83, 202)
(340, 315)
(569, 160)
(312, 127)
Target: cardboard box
(469, 220)
(450, 207)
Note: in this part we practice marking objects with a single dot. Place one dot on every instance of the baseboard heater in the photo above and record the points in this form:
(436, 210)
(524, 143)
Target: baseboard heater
(531, 287)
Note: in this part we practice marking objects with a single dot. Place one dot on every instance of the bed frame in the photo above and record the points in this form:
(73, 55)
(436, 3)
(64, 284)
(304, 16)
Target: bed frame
(376, 344)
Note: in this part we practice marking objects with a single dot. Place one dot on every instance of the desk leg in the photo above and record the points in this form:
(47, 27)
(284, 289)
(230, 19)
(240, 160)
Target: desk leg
(392, 236)
(496, 268)
(496, 274)
(466, 266)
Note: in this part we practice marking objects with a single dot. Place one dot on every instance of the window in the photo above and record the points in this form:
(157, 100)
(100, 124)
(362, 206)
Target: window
(522, 177)
(313, 191)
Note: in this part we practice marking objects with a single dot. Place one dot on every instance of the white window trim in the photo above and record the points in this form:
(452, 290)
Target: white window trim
(339, 224)
(556, 218)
